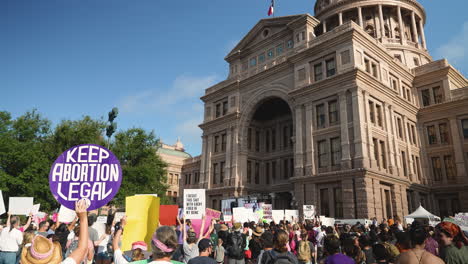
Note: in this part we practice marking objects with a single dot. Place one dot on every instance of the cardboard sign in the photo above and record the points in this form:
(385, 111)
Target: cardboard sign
(277, 215)
(35, 209)
(168, 214)
(213, 213)
(194, 203)
(101, 219)
(241, 214)
(267, 208)
(291, 215)
(20, 205)
(85, 171)
(66, 215)
(327, 221)
(2, 204)
(118, 216)
(309, 211)
(142, 219)
(226, 209)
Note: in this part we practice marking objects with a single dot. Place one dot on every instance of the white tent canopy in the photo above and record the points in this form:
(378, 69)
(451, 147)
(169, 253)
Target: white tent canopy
(422, 213)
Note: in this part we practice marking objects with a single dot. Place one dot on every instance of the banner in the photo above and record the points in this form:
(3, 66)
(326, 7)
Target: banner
(226, 209)
(194, 203)
(267, 214)
(85, 171)
(2, 204)
(309, 211)
(214, 214)
(66, 215)
(142, 219)
(168, 216)
(277, 215)
(20, 205)
(291, 215)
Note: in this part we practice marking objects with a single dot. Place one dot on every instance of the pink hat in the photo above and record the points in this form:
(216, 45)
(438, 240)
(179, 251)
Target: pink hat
(139, 244)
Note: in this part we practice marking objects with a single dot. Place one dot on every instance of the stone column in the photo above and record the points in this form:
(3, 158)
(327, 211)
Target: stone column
(348, 199)
(360, 17)
(382, 28)
(409, 160)
(227, 170)
(400, 25)
(388, 115)
(234, 157)
(423, 36)
(310, 167)
(298, 153)
(345, 152)
(368, 131)
(413, 26)
(458, 150)
(360, 140)
(340, 18)
(324, 25)
(203, 159)
(208, 151)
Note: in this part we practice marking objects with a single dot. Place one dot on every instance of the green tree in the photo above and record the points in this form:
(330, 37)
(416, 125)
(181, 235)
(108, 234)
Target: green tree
(144, 172)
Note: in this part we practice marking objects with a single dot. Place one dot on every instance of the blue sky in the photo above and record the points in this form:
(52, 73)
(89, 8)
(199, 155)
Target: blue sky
(151, 58)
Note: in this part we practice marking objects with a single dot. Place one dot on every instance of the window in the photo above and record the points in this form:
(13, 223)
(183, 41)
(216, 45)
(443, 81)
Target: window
(338, 198)
(431, 135)
(267, 172)
(331, 69)
(318, 74)
(171, 178)
(221, 172)
(437, 93)
(436, 168)
(290, 44)
(175, 194)
(378, 111)
(426, 97)
(371, 112)
(267, 141)
(303, 35)
(320, 115)
(375, 72)
(270, 54)
(291, 167)
(216, 144)
(249, 171)
(383, 154)
(261, 58)
(404, 162)
(416, 62)
(324, 206)
(279, 49)
(408, 95)
(273, 169)
(257, 140)
(285, 169)
(335, 146)
(176, 179)
(376, 151)
(298, 39)
(301, 74)
(253, 62)
(410, 136)
(368, 65)
(394, 84)
(249, 138)
(245, 65)
(215, 172)
(398, 57)
(225, 107)
(285, 137)
(169, 193)
(413, 132)
(322, 153)
(333, 111)
(197, 177)
(257, 173)
(443, 131)
(223, 142)
(450, 167)
(273, 139)
(218, 110)
(399, 128)
(418, 168)
(465, 128)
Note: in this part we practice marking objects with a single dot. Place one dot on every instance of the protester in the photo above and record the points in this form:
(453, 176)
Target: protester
(381, 254)
(332, 250)
(392, 251)
(417, 254)
(431, 244)
(10, 240)
(365, 244)
(235, 245)
(267, 242)
(103, 256)
(163, 244)
(43, 228)
(279, 251)
(205, 247)
(454, 243)
(305, 249)
(255, 244)
(74, 244)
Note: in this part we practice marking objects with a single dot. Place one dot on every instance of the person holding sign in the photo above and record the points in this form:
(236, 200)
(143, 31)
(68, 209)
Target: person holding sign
(10, 240)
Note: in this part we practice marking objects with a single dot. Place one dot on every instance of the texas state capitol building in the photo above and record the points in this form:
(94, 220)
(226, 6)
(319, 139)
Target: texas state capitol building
(345, 110)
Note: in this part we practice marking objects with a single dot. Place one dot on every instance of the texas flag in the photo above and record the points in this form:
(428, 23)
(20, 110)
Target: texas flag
(271, 10)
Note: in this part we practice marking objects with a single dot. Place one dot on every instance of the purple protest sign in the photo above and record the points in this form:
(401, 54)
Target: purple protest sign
(85, 171)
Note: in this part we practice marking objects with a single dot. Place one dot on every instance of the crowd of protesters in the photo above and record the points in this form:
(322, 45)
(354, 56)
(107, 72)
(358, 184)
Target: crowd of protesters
(292, 242)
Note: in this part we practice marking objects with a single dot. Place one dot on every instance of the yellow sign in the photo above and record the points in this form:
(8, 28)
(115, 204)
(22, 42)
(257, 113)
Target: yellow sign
(142, 219)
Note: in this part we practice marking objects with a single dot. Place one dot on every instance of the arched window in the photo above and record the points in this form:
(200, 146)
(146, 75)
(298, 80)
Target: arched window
(370, 30)
(387, 31)
(397, 33)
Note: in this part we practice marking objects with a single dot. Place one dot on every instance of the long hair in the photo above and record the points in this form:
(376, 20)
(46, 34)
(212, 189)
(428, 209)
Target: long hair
(167, 236)
(280, 240)
(138, 254)
(13, 221)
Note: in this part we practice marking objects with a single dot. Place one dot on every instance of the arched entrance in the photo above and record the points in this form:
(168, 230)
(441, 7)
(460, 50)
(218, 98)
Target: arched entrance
(269, 148)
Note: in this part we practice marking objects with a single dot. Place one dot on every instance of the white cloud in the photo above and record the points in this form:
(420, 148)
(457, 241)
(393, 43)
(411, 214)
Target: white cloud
(189, 132)
(456, 49)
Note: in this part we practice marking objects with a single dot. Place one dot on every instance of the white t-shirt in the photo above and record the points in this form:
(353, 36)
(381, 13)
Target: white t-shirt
(119, 258)
(10, 240)
(102, 247)
(68, 261)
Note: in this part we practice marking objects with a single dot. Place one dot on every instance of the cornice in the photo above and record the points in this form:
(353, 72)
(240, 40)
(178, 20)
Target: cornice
(221, 121)
(443, 110)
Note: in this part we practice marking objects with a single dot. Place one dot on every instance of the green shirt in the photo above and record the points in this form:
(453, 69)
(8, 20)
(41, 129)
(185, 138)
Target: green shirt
(453, 255)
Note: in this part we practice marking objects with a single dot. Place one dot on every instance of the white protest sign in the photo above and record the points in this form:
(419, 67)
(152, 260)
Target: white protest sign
(35, 209)
(100, 228)
(327, 221)
(291, 215)
(277, 215)
(267, 208)
(102, 219)
(66, 215)
(226, 209)
(2, 204)
(118, 216)
(20, 205)
(241, 214)
(194, 203)
(309, 211)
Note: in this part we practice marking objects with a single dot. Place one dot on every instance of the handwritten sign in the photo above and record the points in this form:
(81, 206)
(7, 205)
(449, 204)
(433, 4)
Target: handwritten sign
(85, 171)
(194, 203)
(214, 214)
(267, 208)
(309, 211)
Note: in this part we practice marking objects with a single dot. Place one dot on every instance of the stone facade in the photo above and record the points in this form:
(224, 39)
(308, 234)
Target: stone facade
(335, 111)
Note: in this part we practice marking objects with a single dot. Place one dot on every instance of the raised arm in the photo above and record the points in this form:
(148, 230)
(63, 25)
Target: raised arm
(184, 229)
(71, 226)
(210, 229)
(8, 220)
(202, 228)
(28, 223)
(118, 234)
(79, 254)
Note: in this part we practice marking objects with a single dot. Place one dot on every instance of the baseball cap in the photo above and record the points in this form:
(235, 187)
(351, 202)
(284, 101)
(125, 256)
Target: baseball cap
(204, 244)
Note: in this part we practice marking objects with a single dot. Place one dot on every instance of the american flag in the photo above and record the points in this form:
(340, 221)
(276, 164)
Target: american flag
(271, 10)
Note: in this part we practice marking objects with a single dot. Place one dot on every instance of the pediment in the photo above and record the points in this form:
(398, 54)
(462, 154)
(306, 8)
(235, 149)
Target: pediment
(262, 30)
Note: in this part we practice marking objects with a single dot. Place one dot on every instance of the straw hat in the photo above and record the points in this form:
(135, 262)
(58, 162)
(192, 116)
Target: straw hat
(258, 231)
(223, 227)
(42, 251)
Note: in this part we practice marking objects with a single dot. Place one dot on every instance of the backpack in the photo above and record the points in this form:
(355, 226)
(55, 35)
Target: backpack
(236, 248)
(279, 259)
(303, 251)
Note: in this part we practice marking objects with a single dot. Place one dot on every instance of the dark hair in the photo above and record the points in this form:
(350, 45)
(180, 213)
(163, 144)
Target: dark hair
(54, 238)
(280, 240)
(42, 224)
(138, 254)
(167, 236)
(267, 239)
(418, 235)
(332, 245)
(62, 228)
(380, 252)
(329, 230)
(13, 221)
(77, 231)
(365, 241)
(384, 236)
(403, 239)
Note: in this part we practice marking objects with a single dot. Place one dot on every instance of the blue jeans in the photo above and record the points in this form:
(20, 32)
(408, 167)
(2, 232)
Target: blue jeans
(7, 257)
